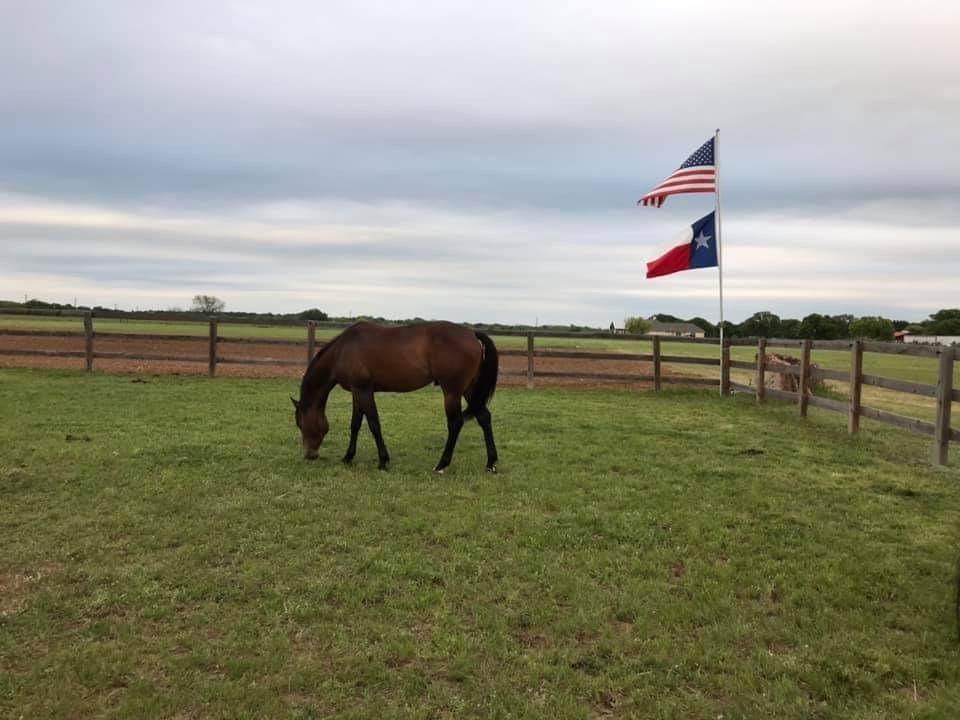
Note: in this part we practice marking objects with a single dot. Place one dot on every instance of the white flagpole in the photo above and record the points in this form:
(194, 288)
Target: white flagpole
(716, 172)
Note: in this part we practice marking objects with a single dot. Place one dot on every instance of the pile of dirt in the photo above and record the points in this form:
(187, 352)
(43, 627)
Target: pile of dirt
(777, 379)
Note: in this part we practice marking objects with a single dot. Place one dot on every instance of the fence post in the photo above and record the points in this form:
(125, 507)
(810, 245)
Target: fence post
(656, 364)
(941, 433)
(761, 369)
(803, 400)
(88, 339)
(725, 367)
(213, 348)
(856, 385)
(311, 340)
(529, 359)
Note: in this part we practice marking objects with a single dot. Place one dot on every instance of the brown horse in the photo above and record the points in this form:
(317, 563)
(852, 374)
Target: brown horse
(367, 358)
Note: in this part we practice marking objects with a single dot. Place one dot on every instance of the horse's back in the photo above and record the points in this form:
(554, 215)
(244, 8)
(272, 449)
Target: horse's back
(407, 357)
(438, 332)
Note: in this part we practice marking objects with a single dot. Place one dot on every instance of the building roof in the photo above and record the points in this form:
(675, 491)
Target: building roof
(902, 333)
(674, 327)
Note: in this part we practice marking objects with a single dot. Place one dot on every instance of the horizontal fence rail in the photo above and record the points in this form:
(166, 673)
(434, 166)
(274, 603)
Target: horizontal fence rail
(943, 393)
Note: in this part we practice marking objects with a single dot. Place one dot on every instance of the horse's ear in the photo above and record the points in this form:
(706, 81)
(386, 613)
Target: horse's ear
(296, 405)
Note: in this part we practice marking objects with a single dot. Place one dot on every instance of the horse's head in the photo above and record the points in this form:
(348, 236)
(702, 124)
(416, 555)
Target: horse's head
(312, 421)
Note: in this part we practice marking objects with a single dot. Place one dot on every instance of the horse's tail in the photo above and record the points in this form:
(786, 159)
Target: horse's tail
(486, 381)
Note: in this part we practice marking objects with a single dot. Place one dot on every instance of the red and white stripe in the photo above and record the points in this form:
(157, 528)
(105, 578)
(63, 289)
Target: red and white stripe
(686, 180)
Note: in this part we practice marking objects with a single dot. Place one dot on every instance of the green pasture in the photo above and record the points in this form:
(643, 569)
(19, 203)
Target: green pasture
(165, 552)
(901, 367)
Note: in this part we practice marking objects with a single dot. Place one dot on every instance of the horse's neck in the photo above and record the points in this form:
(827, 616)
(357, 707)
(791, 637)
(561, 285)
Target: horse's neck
(321, 380)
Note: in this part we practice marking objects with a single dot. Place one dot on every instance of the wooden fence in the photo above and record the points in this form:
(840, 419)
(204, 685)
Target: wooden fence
(943, 392)
(657, 377)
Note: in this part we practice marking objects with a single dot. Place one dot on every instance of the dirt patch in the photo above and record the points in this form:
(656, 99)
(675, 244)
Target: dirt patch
(530, 639)
(608, 704)
(194, 351)
(16, 588)
(779, 648)
(913, 693)
(779, 373)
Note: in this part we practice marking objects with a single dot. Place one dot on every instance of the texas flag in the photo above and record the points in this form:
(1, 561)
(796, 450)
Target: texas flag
(699, 250)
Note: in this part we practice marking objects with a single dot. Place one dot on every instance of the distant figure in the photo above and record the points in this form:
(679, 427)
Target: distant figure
(613, 329)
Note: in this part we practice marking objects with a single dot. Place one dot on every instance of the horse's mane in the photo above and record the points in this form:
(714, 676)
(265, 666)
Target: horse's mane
(320, 353)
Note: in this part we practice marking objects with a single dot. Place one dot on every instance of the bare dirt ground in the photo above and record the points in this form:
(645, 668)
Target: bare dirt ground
(198, 348)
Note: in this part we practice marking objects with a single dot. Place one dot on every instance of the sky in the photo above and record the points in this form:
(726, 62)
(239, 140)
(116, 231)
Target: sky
(479, 161)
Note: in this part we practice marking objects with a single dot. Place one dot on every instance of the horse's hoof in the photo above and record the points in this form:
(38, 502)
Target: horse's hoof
(347, 459)
(383, 466)
(492, 469)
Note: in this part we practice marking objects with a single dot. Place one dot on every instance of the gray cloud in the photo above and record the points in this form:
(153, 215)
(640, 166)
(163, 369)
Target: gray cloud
(411, 150)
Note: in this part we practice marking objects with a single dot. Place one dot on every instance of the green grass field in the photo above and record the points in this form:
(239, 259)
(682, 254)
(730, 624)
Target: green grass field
(167, 553)
(901, 367)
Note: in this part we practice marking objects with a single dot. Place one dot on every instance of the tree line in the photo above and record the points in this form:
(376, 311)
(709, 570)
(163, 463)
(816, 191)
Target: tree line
(201, 308)
(826, 327)
(761, 324)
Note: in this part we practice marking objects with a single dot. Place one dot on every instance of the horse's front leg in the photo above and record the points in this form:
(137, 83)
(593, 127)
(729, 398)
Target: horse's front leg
(355, 422)
(369, 408)
(451, 405)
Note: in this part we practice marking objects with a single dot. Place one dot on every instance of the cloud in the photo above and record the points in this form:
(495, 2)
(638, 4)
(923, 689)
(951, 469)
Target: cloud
(469, 265)
(478, 161)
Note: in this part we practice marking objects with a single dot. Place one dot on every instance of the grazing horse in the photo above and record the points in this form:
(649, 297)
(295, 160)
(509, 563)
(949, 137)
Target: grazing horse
(367, 358)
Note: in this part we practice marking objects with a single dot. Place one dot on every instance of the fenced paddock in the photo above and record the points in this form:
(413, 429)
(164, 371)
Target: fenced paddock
(700, 368)
(168, 553)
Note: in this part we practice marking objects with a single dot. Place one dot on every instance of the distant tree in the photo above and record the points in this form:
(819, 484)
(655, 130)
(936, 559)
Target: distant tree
(825, 327)
(636, 325)
(42, 304)
(946, 314)
(944, 322)
(814, 326)
(790, 328)
(314, 314)
(729, 329)
(900, 325)
(663, 317)
(761, 324)
(876, 328)
(709, 329)
(207, 304)
(842, 323)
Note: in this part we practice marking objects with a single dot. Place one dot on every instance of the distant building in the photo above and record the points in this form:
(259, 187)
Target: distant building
(901, 336)
(930, 339)
(675, 329)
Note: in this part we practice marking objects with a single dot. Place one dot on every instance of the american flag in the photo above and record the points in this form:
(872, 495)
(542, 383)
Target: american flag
(696, 175)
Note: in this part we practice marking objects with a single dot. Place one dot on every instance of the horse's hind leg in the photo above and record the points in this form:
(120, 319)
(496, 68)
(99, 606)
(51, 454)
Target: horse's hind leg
(369, 408)
(355, 422)
(451, 404)
(484, 420)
